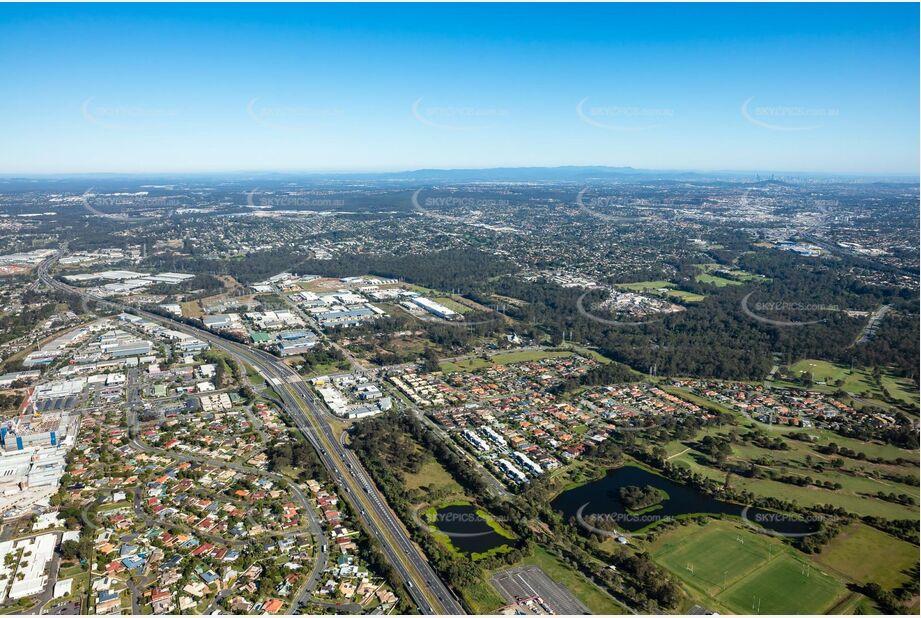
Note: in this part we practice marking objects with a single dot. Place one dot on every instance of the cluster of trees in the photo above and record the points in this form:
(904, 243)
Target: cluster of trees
(762, 440)
(638, 498)
(297, 455)
(608, 373)
(715, 338)
(905, 529)
(77, 550)
(801, 481)
(454, 269)
(709, 339)
(902, 498)
(10, 402)
(891, 602)
(374, 337)
(828, 529)
(323, 355)
(388, 451)
(37, 307)
(647, 587)
(256, 266)
(717, 448)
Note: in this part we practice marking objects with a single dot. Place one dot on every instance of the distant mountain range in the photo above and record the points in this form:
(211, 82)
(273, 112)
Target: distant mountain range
(562, 174)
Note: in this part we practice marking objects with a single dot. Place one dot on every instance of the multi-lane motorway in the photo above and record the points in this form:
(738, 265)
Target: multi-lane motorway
(422, 583)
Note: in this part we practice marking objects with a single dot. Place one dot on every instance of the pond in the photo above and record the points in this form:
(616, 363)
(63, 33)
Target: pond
(600, 501)
(467, 531)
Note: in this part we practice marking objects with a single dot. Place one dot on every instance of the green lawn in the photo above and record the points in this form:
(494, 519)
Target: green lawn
(843, 498)
(785, 585)
(641, 286)
(742, 275)
(254, 376)
(865, 554)
(482, 597)
(685, 296)
(432, 474)
(859, 381)
(792, 461)
(452, 304)
(719, 282)
(474, 363)
(727, 566)
(901, 389)
(821, 370)
(872, 449)
(665, 288)
(430, 514)
(710, 557)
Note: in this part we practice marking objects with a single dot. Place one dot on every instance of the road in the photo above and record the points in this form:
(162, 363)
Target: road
(867, 333)
(495, 485)
(423, 584)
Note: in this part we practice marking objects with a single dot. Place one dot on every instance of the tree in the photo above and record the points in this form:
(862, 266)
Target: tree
(430, 362)
(70, 550)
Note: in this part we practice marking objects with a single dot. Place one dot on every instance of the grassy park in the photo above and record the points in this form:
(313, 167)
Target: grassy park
(731, 568)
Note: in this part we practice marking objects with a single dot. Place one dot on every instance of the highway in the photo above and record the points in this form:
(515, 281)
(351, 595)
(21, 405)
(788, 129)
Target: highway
(423, 584)
(495, 484)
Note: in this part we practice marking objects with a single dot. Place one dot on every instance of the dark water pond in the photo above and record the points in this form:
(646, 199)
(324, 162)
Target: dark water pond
(601, 499)
(468, 531)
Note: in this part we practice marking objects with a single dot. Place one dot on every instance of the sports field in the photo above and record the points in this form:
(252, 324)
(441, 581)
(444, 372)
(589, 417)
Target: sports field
(785, 585)
(745, 572)
(713, 558)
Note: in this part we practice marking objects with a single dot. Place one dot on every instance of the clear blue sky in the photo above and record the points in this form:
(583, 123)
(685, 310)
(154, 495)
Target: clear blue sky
(150, 88)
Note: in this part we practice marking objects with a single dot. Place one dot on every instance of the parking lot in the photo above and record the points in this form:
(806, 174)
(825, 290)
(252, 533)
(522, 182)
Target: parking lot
(529, 581)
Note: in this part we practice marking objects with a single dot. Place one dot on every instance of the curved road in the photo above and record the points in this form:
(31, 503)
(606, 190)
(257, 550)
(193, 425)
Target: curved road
(423, 584)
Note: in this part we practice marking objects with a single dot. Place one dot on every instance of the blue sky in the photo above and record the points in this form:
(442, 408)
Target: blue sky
(154, 88)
